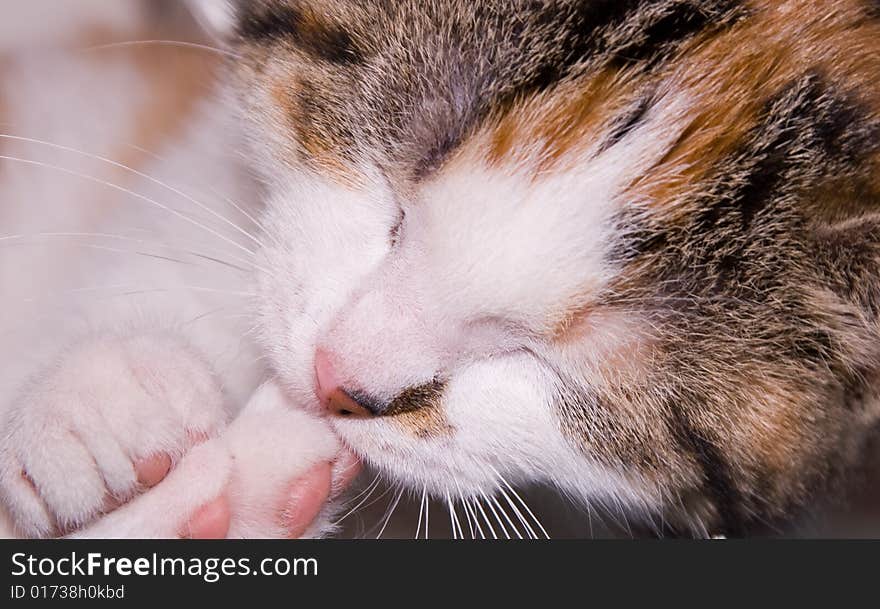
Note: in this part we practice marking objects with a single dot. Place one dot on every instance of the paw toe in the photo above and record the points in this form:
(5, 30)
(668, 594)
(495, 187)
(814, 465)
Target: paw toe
(153, 469)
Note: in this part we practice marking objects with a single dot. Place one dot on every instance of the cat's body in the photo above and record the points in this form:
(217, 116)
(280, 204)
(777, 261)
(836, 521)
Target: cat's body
(125, 327)
(628, 249)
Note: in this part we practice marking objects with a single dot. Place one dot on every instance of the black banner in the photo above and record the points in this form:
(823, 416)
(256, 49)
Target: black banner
(245, 571)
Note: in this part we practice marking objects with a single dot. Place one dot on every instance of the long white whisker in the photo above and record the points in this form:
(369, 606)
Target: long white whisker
(379, 498)
(518, 514)
(117, 250)
(506, 517)
(371, 488)
(256, 222)
(26, 237)
(208, 314)
(620, 510)
(457, 519)
(174, 43)
(247, 215)
(494, 513)
(485, 517)
(523, 503)
(427, 515)
(366, 489)
(140, 174)
(473, 513)
(127, 191)
(451, 516)
(391, 512)
(130, 290)
(590, 520)
(466, 513)
(421, 513)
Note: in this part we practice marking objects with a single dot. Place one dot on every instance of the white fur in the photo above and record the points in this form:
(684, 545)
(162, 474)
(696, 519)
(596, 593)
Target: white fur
(253, 463)
(79, 429)
(487, 262)
(216, 16)
(124, 327)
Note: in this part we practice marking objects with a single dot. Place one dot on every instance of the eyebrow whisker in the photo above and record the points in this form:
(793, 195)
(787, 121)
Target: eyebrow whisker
(172, 43)
(140, 174)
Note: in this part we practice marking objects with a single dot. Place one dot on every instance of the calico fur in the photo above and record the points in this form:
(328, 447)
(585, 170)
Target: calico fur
(663, 210)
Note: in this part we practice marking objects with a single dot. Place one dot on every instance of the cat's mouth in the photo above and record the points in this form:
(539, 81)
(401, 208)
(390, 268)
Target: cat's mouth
(438, 465)
(470, 486)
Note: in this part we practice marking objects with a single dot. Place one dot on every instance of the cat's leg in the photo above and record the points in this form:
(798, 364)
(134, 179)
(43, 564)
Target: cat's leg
(268, 475)
(101, 424)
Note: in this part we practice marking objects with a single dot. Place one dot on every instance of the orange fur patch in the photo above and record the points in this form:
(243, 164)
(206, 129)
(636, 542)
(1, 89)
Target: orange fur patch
(728, 75)
(733, 76)
(321, 152)
(553, 124)
(427, 422)
(771, 431)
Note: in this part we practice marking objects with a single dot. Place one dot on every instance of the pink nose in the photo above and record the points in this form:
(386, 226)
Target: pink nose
(332, 396)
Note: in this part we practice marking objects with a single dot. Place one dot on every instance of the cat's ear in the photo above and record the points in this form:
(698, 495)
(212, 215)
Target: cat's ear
(217, 17)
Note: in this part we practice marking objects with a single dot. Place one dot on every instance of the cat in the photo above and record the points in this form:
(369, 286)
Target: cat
(624, 248)
(125, 292)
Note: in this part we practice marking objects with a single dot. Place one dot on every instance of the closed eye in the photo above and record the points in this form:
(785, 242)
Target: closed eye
(394, 234)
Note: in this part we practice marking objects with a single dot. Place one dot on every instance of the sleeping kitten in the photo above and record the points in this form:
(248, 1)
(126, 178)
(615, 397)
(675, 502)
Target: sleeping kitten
(625, 248)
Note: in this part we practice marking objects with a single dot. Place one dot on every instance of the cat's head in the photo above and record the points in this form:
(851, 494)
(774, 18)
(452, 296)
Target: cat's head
(572, 241)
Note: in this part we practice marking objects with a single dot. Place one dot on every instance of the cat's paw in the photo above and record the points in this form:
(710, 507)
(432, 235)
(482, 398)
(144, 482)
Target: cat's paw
(105, 422)
(273, 473)
(274, 445)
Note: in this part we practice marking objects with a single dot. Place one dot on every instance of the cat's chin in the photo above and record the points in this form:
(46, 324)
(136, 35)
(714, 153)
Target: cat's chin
(436, 467)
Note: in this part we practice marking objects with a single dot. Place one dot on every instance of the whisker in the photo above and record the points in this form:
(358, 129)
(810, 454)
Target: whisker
(210, 313)
(466, 513)
(127, 191)
(140, 174)
(622, 511)
(520, 499)
(116, 250)
(119, 286)
(255, 221)
(371, 488)
(518, 514)
(390, 512)
(479, 504)
(506, 517)
(130, 291)
(379, 498)
(197, 288)
(427, 514)
(457, 519)
(470, 508)
(495, 514)
(173, 43)
(26, 239)
(421, 513)
(452, 518)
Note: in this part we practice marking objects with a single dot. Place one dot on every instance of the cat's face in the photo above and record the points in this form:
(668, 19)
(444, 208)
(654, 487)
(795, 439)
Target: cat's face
(437, 286)
(560, 241)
